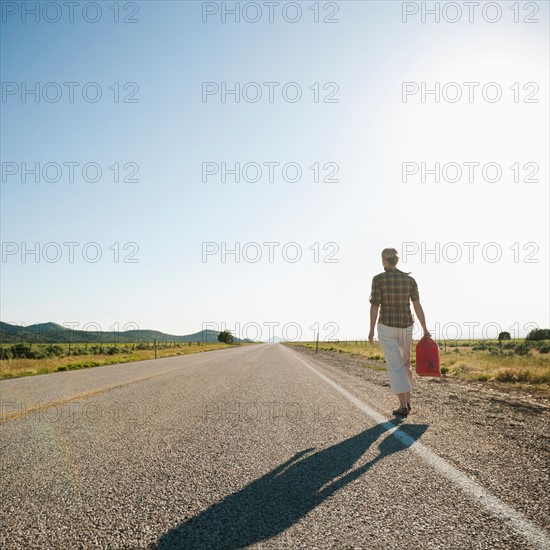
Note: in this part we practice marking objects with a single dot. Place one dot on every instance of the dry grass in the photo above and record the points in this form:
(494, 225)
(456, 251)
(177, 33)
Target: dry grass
(14, 368)
(530, 371)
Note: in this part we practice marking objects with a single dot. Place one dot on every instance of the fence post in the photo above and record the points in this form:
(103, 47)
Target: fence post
(155, 346)
(317, 344)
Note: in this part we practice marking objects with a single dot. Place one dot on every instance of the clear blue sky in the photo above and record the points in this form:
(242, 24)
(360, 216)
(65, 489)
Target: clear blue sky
(369, 133)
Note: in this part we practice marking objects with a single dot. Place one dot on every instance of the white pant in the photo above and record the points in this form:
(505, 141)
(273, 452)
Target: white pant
(396, 345)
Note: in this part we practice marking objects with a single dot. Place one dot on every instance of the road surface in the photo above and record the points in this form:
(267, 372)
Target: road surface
(267, 447)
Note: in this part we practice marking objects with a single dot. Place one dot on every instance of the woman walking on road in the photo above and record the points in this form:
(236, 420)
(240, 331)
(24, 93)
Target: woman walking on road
(391, 292)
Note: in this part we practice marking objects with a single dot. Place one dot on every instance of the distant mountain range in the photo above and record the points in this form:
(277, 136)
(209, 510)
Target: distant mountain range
(52, 333)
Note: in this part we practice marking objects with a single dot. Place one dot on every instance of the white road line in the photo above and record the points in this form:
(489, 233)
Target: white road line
(536, 535)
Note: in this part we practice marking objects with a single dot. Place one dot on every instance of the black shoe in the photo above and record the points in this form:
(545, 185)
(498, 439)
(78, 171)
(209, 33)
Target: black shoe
(401, 412)
(409, 407)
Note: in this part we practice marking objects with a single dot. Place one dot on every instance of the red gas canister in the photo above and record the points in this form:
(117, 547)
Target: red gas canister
(427, 358)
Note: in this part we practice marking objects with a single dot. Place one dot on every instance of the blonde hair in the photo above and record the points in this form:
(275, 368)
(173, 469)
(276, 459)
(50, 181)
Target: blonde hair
(390, 255)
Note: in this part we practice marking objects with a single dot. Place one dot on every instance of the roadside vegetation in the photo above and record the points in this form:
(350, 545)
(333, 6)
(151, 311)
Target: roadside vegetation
(26, 359)
(522, 363)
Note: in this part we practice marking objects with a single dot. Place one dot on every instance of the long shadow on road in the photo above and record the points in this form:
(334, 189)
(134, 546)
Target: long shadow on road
(271, 504)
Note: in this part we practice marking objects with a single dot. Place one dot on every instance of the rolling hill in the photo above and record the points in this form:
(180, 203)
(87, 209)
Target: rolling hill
(52, 333)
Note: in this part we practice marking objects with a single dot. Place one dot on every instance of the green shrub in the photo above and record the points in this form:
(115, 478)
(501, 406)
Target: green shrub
(522, 349)
(226, 337)
(55, 350)
(539, 334)
(513, 376)
(26, 351)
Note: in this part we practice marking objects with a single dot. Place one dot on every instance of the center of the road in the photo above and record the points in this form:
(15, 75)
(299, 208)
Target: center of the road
(534, 534)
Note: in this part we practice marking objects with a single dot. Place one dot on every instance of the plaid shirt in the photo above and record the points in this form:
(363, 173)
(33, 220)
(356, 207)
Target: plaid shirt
(392, 290)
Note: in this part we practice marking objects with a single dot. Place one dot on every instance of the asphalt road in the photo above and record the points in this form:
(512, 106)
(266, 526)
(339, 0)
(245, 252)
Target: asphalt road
(265, 447)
